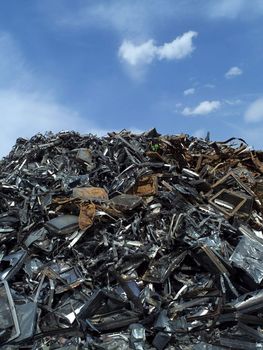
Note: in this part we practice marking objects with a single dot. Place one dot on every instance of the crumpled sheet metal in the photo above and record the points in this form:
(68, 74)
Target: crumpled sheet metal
(248, 255)
(131, 242)
(90, 193)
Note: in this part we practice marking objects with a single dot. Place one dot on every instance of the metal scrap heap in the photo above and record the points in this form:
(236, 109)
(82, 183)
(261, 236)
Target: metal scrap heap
(131, 242)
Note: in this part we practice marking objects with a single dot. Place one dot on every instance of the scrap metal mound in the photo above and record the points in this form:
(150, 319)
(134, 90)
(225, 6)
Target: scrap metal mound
(131, 242)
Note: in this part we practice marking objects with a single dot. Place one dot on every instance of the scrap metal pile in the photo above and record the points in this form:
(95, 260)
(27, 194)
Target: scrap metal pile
(131, 242)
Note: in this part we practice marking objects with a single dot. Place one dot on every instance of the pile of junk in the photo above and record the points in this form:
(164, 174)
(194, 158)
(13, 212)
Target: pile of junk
(131, 241)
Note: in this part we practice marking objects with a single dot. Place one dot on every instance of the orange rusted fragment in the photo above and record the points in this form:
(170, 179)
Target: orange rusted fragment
(146, 186)
(90, 193)
(86, 215)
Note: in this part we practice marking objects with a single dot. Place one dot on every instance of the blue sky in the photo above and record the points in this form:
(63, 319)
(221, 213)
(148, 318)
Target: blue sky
(187, 66)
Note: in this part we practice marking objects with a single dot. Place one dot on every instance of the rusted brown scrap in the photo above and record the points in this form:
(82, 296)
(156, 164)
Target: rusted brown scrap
(146, 186)
(86, 215)
(90, 193)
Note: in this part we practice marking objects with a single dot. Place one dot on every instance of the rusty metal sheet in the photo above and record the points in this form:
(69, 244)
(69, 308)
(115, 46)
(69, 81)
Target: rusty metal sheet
(86, 215)
(146, 186)
(90, 193)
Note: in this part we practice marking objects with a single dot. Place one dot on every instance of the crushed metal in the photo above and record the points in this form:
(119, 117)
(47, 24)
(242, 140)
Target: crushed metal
(131, 242)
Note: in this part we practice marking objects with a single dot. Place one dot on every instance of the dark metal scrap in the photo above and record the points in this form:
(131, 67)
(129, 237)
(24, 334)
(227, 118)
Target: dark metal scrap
(131, 242)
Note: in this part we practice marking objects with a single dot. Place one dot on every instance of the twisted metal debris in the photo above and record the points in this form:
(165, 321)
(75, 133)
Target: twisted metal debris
(131, 242)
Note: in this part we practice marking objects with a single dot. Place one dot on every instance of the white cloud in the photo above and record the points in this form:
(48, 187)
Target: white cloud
(203, 108)
(190, 91)
(27, 105)
(179, 48)
(146, 52)
(233, 72)
(254, 112)
(137, 54)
